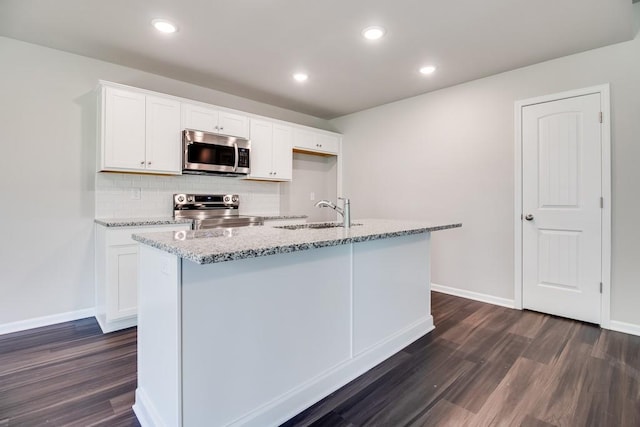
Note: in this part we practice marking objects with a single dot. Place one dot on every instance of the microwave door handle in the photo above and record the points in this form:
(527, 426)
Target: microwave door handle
(235, 165)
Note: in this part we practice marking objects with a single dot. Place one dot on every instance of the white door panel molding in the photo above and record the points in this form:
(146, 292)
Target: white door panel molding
(563, 230)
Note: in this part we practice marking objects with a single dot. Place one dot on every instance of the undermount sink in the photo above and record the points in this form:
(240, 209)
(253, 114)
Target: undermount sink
(314, 226)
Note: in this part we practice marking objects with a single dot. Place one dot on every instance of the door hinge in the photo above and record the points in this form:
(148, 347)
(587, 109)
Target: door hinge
(600, 116)
(601, 202)
(600, 287)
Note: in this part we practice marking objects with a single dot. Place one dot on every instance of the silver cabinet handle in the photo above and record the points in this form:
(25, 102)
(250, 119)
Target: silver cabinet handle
(529, 217)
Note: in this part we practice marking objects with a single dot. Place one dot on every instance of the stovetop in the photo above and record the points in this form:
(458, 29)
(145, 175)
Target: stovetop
(212, 210)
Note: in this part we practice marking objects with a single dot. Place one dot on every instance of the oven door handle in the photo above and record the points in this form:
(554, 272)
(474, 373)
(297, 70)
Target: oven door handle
(235, 163)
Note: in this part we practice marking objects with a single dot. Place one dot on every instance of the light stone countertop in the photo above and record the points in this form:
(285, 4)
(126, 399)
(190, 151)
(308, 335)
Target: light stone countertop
(228, 244)
(140, 222)
(272, 217)
(148, 221)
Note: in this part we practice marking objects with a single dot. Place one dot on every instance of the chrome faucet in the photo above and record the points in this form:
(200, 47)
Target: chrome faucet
(345, 212)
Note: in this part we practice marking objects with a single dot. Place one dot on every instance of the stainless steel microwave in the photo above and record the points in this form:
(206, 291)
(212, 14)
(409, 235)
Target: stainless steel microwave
(211, 153)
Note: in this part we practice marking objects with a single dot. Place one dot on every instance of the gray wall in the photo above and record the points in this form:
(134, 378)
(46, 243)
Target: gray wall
(47, 154)
(449, 156)
(311, 174)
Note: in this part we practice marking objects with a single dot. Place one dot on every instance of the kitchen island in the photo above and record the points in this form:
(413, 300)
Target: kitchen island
(249, 326)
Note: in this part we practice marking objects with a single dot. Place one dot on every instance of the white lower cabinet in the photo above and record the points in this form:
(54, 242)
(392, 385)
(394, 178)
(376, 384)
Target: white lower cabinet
(117, 274)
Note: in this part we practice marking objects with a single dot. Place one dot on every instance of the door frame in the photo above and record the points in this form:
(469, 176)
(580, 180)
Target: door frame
(603, 91)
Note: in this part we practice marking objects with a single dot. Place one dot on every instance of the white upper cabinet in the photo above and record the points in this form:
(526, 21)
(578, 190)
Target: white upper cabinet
(139, 133)
(271, 151)
(211, 120)
(283, 152)
(123, 133)
(233, 124)
(164, 144)
(328, 143)
(261, 157)
(315, 142)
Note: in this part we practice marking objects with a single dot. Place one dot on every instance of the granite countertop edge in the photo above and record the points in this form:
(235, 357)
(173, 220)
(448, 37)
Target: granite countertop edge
(260, 251)
(279, 217)
(139, 222)
(147, 221)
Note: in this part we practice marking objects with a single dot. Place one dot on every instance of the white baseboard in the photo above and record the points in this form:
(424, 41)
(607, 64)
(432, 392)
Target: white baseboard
(38, 322)
(115, 325)
(490, 299)
(145, 411)
(627, 328)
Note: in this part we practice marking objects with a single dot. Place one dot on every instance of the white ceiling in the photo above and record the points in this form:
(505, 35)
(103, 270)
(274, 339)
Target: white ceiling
(250, 48)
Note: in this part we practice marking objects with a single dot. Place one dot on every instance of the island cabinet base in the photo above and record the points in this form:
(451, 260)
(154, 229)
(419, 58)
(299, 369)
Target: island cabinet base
(255, 341)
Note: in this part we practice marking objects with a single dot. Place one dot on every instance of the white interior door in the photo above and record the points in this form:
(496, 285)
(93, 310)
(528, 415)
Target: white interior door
(561, 205)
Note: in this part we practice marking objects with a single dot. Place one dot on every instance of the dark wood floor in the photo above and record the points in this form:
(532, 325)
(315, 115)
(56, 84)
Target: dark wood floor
(482, 366)
(68, 374)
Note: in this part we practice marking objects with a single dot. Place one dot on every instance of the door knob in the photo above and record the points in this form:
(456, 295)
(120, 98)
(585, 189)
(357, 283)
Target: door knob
(529, 217)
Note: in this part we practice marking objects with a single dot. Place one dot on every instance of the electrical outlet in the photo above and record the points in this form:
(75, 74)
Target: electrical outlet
(312, 196)
(135, 194)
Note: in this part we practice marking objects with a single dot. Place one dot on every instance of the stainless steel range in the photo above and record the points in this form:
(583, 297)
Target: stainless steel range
(212, 211)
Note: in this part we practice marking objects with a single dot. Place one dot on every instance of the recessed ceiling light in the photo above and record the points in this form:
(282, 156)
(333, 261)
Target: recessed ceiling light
(301, 77)
(429, 69)
(164, 26)
(373, 33)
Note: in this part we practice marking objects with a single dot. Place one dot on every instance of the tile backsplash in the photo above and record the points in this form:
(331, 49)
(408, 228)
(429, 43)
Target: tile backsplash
(120, 195)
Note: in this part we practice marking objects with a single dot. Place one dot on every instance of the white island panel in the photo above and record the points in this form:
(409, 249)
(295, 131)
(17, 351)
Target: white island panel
(261, 327)
(159, 382)
(248, 327)
(391, 289)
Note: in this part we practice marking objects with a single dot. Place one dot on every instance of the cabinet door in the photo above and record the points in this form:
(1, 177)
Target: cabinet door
(122, 276)
(261, 149)
(163, 142)
(304, 139)
(327, 143)
(282, 152)
(124, 130)
(199, 118)
(233, 124)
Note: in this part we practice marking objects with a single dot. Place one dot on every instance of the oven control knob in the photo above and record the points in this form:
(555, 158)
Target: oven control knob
(190, 199)
(180, 198)
(235, 199)
(227, 199)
